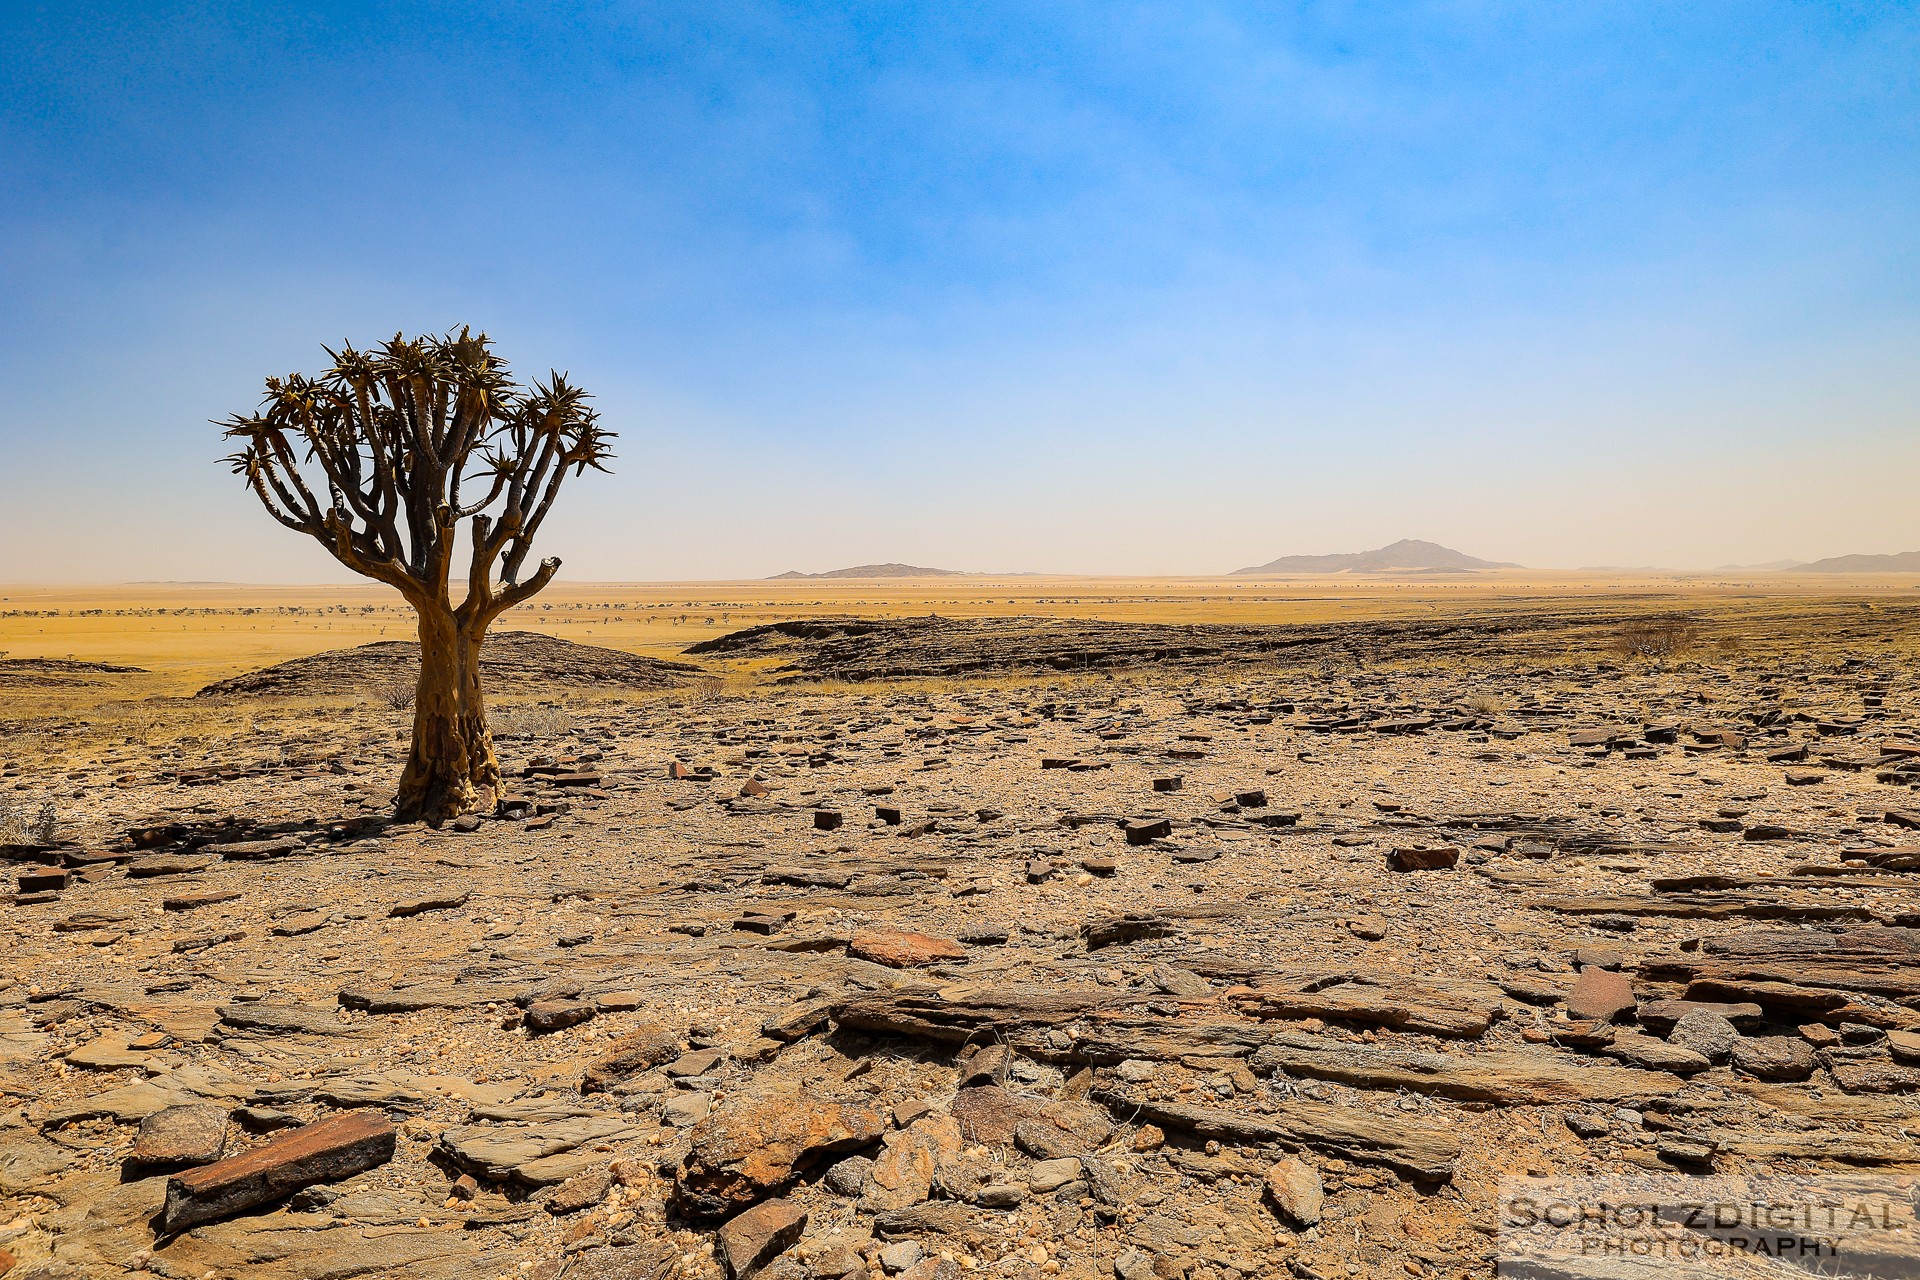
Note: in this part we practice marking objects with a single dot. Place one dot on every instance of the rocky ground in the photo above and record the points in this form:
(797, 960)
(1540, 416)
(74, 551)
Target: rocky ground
(1206, 973)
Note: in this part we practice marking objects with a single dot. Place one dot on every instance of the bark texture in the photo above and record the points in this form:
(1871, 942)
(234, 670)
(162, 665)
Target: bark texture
(451, 768)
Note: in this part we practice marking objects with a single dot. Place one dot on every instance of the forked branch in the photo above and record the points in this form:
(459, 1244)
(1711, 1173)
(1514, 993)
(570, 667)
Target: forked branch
(377, 458)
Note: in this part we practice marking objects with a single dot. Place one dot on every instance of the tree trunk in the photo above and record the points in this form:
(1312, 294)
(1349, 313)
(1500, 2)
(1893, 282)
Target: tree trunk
(451, 769)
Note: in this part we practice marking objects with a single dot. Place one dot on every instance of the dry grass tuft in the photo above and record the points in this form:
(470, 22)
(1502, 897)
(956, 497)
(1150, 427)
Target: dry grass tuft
(536, 720)
(28, 823)
(1665, 636)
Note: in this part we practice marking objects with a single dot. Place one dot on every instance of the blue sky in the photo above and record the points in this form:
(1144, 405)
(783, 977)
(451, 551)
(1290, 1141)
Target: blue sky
(1089, 288)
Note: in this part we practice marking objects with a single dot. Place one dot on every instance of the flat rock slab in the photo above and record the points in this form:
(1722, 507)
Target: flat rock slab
(388, 1090)
(413, 999)
(900, 950)
(107, 1054)
(300, 923)
(29, 1162)
(259, 1247)
(497, 1153)
(1825, 1146)
(1419, 1150)
(427, 902)
(1375, 1000)
(166, 865)
(1509, 1078)
(255, 850)
(1657, 1055)
(277, 1019)
(194, 901)
(979, 1014)
(326, 1151)
(123, 1105)
(1599, 995)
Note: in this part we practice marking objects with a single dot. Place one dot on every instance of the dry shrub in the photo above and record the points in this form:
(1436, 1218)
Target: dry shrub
(1658, 637)
(531, 720)
(27, 824)
(1485, 704)
(396, 694)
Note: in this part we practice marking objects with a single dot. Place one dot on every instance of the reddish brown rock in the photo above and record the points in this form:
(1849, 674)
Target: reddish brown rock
(544, 1016)
(934, 1268)
(193, 1134)
(903, 1172)
(582, 1191)
(899, 950)
(44, 880)
(1147, 830)
(444, 901)
(328, 1150)
(1294, 1187)
(1417, 858)
(751, 1147)
(1904, 1046)
(1872, 1077)
(1774, 1057)
(1599, 995)
(758, 1236)
(639, 1050)
(989, 1065)
(993, 1114)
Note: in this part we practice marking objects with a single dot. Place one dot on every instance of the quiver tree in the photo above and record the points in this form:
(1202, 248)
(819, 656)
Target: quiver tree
(381, 459)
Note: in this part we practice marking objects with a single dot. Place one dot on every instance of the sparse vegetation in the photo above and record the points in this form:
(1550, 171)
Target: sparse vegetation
(532, 720)
(1665, 636)
(396, 695)
(27, 823)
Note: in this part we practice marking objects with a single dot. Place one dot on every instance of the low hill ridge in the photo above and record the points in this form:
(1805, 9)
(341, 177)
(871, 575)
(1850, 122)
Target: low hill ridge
(510, 661)
(1899, 562)
(873, 571)
(1408, 554)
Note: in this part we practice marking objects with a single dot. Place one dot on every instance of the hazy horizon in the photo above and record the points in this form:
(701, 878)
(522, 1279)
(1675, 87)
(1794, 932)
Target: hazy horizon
(1052, 289)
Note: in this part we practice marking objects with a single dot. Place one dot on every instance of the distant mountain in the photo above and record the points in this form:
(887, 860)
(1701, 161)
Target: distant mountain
(1771, 566)
(1406, 555)
(1902, 562)
(873, 571)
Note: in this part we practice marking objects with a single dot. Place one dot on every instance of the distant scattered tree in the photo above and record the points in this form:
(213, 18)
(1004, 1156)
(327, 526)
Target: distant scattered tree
(379, 459)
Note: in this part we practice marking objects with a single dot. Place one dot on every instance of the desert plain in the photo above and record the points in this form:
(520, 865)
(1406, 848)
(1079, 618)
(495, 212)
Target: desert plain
(1016, 926)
